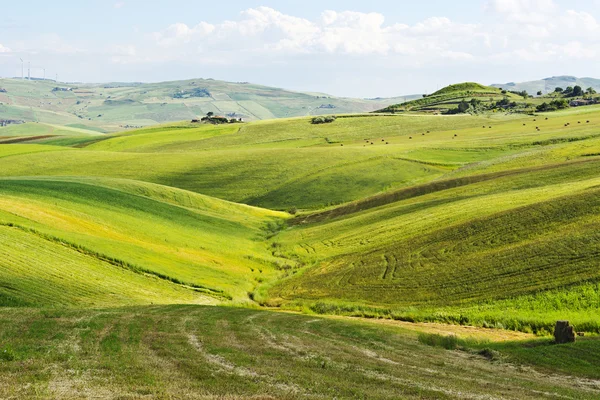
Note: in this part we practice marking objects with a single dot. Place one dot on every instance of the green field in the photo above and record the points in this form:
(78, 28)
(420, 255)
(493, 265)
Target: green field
(113, 246)
(213, 352)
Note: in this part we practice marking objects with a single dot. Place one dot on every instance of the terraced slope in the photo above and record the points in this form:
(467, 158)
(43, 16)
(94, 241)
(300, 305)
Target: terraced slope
(448, 98)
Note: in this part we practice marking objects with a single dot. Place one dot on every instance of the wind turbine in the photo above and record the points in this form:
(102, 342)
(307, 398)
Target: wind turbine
(44, 73)
(29, 70)
(22, 68)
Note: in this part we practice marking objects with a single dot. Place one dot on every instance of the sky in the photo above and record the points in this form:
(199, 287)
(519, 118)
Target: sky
(349, 48)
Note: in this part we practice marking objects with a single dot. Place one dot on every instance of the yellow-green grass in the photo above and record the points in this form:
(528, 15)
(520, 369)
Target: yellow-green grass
(38, 272)
(487, 241)
(37, 129)
(168, 138)
(212, 245)
(197, 352)
(419, 200)
(292, 163)
(12, 150)
(254, 176)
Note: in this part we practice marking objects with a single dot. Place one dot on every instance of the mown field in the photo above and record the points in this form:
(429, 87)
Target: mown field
(199, 352)
(489, 221)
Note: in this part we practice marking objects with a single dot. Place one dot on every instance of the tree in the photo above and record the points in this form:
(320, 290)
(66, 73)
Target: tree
(539, 93)
(568, 91)
(577, 91)
(463, 106)
(590, 90)
(559, 90)
(210, 114)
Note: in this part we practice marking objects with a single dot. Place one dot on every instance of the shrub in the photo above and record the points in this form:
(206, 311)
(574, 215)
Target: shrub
(323, 120)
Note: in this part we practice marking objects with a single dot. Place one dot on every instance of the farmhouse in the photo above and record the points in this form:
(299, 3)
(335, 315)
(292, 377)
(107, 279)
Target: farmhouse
(581, 102)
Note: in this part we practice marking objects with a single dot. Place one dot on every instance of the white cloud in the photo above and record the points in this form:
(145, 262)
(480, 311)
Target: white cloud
(580, 22)
(124, 50)
(4, 49)
(267, 30)
(511, 31)
(180, 33)
(119, 4)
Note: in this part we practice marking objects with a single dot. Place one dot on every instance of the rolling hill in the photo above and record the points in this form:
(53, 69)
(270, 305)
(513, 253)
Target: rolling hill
(115, 106)
(449, 97)
(548, 85)
(482, 227)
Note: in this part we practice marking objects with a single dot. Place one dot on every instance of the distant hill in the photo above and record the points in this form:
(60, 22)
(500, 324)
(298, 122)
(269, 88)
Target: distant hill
(548, 85)
(449, 97)
(117, 105)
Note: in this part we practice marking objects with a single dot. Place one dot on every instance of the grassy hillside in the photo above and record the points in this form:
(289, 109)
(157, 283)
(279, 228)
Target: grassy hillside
(487, 220)
(161, 233)
(115, 106)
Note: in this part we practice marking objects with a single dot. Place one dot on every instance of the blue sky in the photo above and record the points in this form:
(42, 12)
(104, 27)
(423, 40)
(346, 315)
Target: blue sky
(348, 48)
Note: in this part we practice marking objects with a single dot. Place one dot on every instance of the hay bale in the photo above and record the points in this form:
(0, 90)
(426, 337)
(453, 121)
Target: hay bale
(564, 332)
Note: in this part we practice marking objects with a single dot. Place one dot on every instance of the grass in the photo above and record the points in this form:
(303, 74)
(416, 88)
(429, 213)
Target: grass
(112, 107)
(457, 247)
(199, 352)
(173, 234)
(269, 164)
(449, 97)
(465, 220)
(579, 358)
(36, 272)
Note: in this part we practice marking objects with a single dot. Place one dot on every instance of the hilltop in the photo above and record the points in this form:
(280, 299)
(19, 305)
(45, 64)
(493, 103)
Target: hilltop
(448, 99)
(548, 85)
(474, 98)
(116, 106)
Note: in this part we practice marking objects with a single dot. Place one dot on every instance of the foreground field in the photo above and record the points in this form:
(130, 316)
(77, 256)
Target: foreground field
(214, 352)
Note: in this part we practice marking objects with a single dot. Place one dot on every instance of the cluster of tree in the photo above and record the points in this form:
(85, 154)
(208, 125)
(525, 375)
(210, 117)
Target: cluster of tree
(466, 106)
(554, 105)
(323, 120)
(575, 91)
(211, 118)
(504, 103)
